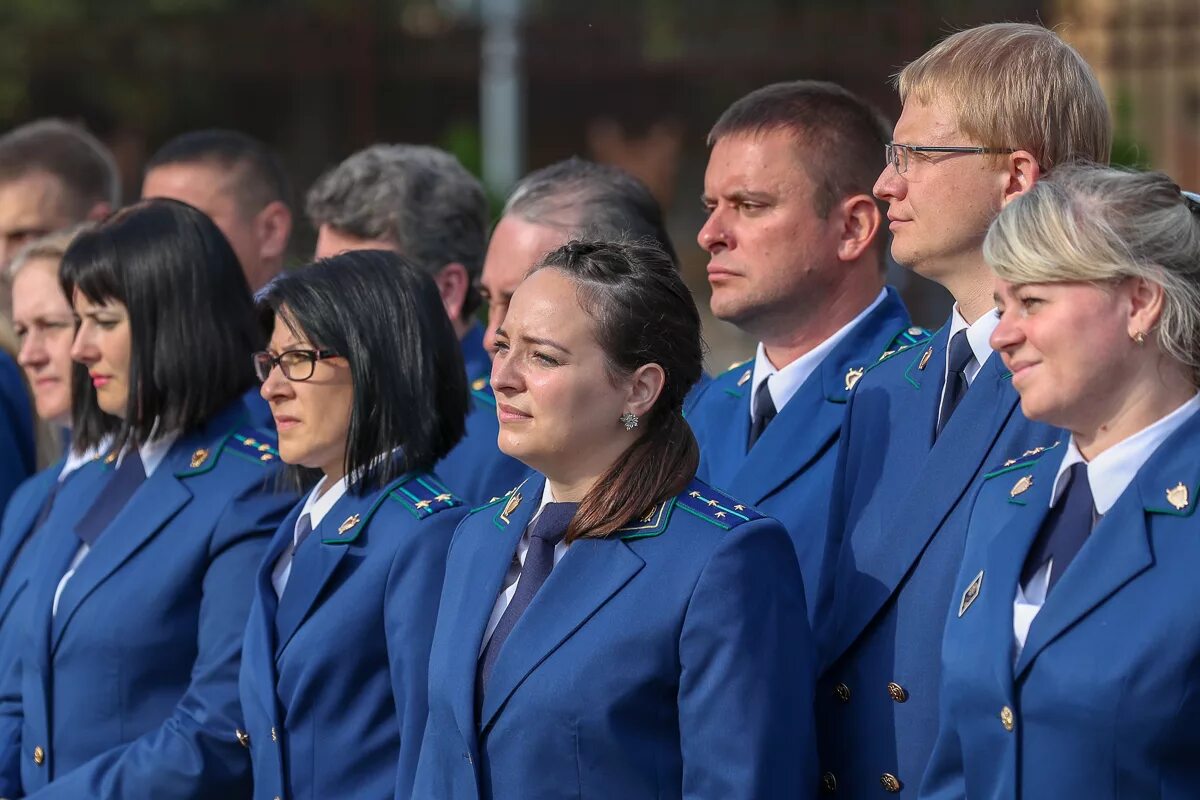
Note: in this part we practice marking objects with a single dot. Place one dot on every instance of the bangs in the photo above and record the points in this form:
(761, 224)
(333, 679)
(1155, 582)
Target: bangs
(90, 265)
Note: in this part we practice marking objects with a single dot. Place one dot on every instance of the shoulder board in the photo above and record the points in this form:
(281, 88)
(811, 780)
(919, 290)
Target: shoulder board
(501, 498)
(423, 495)
(1026, 459)
(749, 362)
(894, 351)
(742, 369)
(714, 507)
(248, 443)
(481, 390)
(914, 334)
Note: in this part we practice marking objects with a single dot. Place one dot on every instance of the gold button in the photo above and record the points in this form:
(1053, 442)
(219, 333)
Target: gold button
(843, 692)
(829, 782)
(897, 692)
(890, 782)
(274, 738)
(1007, 719)
(243, 738)
(39, 755)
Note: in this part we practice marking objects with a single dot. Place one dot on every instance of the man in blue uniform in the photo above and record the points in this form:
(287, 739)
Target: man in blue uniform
(422, 203)
(797, 260)
(926, 421)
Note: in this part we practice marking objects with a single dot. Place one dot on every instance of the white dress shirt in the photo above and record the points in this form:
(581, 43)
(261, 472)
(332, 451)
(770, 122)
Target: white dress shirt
(152, 453)
(1109, 475)
(787, 381)
(316, 506)
(513, 576)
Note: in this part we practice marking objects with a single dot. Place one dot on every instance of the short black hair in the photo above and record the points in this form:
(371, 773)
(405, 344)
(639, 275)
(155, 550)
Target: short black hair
(261, 179)
(591, 201)
(68, 152)
(192, 322)
(841, 135)
(383, 313)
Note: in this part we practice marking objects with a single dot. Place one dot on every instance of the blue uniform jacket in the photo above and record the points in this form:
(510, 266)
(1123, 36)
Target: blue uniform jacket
(476, 469)
(788, 472)
(334, 676)
(1103, 700)
(130, 690)
(897, 527)
(670, 660)
(18, 456)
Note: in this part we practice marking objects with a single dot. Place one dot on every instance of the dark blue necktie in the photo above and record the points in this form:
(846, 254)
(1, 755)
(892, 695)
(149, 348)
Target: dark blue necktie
(547, 531)
(1066, 528)
(125, 481)
(764, 412)
(956, 379)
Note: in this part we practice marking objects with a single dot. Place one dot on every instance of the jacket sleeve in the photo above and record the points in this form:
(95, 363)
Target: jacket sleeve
(11, 720)
(414, 588)
(195, 752)
(747, 665)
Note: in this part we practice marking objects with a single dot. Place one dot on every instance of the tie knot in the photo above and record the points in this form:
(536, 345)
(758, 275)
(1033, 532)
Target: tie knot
(960, 352)
(552, 523)
(1079, 487)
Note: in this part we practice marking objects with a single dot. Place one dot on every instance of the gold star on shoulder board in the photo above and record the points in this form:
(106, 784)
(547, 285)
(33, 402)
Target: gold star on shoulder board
(423, 504)
(199, 457)
(350, 522)
(713, 503)
(739, 507)
(1021, 486)
(478, 384)
(720, 515)
(1178, 496)
(444, 498)
(694, 494)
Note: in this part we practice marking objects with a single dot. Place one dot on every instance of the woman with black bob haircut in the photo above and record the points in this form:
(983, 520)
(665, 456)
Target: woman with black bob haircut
(127, 681)
(608, 623)
(365, 381)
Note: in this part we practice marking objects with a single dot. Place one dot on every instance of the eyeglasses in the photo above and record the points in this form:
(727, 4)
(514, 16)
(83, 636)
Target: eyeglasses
(296, 365)
(899, 155)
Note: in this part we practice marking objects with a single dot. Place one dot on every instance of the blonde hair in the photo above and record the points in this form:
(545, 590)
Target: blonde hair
(52, 246)
(1100, 224)
(1018, 86)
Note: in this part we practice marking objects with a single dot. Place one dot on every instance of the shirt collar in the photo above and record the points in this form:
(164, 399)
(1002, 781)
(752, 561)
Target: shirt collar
(979, 334)
(74, 461)
(153, 451)
(316, 507)
(1111, 472)
(789, 379)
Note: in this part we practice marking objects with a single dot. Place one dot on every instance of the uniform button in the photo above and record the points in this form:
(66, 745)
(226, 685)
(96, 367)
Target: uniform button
(897, 692)
(243, 738)
(829, 782)
(1007, 719)
(39, 755)
(843, 692)
(890, 782)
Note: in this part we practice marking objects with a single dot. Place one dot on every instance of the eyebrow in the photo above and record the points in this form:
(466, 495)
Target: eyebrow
(742, 195)
(535, 340)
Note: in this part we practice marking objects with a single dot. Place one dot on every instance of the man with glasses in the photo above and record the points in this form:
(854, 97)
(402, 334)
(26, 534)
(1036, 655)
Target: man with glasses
(797, 260)
(927, 421)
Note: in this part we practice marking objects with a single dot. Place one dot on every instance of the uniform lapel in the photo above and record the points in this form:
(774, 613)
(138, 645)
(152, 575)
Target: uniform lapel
(1119, 548)
(260, 643)
(884, 553)
(471, 590)
(153, 504)
(812, 418)
(315, 562)
(726, 427)
(591, 572)
(22, 518)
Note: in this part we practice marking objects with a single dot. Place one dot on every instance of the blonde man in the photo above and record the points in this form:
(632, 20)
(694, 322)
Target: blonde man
(986, 113)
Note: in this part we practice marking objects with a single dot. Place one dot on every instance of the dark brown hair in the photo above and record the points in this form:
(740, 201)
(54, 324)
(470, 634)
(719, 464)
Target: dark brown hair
(643, 314)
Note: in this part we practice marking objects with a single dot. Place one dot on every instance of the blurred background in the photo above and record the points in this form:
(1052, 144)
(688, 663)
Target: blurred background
(512, 85)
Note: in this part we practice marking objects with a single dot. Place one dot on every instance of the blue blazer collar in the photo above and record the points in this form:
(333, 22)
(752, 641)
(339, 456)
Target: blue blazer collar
(23, 513)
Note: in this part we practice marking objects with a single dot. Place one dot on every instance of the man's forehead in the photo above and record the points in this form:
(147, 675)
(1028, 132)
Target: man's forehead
(32, 196)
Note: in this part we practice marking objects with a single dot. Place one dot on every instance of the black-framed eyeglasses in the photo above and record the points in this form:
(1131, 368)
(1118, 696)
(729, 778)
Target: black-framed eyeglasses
(899, 155)
(296, 365)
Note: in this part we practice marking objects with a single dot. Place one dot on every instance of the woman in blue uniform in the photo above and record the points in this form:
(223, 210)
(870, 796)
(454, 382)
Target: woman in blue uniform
(612, 627)
(134, 616)
(365, 381)
(1072, 651)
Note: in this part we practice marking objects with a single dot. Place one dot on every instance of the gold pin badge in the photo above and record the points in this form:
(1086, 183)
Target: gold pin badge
(111, 457)
(745, 377)
(1178, 497)
(925, 358)
(970, 594)
(478, 384)
(1021, 486)
(199, 457)
(852, 377)
(350, 522)
(511, 506)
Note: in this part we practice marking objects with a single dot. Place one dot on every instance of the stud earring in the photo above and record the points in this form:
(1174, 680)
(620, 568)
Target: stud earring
(629, 420)
(1140, 337)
